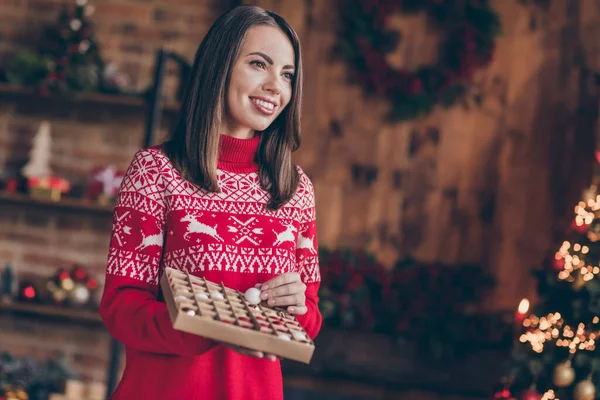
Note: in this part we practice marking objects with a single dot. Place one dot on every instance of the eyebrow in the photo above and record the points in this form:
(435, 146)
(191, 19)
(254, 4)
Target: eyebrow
(269, 59)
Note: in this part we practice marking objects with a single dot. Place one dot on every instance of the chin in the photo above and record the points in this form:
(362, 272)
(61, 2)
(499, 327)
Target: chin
(259, 126)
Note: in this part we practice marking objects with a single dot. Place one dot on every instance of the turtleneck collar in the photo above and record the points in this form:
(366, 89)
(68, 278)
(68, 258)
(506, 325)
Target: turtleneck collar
(237, 155)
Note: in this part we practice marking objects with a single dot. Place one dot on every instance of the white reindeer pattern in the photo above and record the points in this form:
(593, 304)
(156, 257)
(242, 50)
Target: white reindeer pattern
(151, 240)
(196, 226)
(306, 243)
(285, 236)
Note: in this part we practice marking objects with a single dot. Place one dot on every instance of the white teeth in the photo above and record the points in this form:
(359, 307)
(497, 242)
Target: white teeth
(265, 104)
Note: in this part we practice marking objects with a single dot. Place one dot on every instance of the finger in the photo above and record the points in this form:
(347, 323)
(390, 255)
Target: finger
(246, 351)
(297, 310)
(271, 357)
(291, 300)
(284, 290)
(282, 279)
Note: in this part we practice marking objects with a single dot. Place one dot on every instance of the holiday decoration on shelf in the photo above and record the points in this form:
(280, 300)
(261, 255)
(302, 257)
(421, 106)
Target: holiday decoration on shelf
(74, 288)
(426, 303)
(23, 378)
(8, 283)
(39, 156)
(40, 181)
(105, 183)
(470, 28)
(28, 292)
(555, 343)
(67, 58)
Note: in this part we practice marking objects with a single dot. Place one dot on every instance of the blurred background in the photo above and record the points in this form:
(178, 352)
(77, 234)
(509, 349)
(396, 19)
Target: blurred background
(448, 143)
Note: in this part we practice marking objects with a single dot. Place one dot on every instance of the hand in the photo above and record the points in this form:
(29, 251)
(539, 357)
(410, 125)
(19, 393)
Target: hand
(251, 353)
(286, 290)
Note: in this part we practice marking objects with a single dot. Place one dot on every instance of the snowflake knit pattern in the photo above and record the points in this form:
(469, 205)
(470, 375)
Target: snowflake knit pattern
(161, 220)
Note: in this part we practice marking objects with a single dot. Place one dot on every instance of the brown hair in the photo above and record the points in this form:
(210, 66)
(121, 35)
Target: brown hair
(193, 147)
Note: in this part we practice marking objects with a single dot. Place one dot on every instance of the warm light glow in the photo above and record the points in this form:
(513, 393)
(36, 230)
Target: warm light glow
(523, 306)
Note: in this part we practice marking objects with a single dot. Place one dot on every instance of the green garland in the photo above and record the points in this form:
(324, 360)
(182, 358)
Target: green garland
(471, 27)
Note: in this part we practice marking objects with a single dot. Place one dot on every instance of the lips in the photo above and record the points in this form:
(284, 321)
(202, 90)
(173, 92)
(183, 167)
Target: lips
(263, 105)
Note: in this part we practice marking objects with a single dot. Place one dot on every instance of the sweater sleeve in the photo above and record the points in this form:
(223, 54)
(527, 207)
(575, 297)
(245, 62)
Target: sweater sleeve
(129, 305)
(308, 261)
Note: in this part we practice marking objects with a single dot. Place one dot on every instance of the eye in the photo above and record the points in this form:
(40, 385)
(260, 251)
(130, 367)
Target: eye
(288, 75)
(258, 63)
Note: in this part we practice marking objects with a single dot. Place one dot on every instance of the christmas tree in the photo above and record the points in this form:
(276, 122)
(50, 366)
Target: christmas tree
(70, 44)
(554, 354)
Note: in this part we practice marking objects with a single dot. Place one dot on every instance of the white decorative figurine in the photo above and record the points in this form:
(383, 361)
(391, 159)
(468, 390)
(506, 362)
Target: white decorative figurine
(39, 155)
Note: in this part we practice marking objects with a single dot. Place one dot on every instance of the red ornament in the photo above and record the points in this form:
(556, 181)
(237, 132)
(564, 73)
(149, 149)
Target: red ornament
(471, 45)
(79, 274)
(559, 264)
(91, 283)
(11, 185)
(579, 228)
(28, 292)
(62, 275)
(416, 86)
(503, 394)
(531, 394)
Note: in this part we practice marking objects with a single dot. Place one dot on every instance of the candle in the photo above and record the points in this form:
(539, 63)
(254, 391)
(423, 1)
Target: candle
(522, 311)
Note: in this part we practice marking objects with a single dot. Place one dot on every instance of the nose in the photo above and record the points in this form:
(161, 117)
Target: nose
(273, 85)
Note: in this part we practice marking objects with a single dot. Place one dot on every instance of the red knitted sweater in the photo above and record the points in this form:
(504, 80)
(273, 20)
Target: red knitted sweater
(161, 220)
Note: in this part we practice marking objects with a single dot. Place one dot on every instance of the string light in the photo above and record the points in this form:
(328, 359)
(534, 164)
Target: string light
(552, 327)
(574, 262)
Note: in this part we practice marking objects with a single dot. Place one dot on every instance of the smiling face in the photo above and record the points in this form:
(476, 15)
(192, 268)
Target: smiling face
(260, 85)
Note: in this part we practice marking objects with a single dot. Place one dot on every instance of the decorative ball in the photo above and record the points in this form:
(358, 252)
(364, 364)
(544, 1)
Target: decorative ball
(67, 284)
(283, 336)
(531, 394)
(59, 296)
(595, 226)
(563, 375)
(202, 296)
(301, 336)
(593, 232)
(584, 390)
(217, 295)
(28, 292)
(252, 295)
(80, 295)
(78, 274)
(502, 394)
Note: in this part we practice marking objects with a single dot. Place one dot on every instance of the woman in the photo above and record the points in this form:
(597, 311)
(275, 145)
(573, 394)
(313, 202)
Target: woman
(220, 199)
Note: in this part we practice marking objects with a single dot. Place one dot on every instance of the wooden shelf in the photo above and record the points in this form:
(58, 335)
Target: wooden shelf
(50, 311)
(65, 203)
(11, 92)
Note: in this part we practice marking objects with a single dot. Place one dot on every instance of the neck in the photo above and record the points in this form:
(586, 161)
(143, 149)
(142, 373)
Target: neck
(238, 155)
(235, 130)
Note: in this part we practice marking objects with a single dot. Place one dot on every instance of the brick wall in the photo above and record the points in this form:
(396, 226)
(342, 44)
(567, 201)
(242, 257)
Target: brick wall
(37, 241)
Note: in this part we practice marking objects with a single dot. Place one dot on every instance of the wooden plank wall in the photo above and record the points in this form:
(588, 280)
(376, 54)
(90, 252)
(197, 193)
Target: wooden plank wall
(491, 185)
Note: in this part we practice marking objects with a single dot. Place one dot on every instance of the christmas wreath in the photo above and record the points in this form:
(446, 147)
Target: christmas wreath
(470, 28)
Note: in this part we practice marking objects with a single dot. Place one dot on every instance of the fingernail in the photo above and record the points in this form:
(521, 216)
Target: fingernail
(264, 296)
(291, 309)
(264, 287)
(271, 302)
